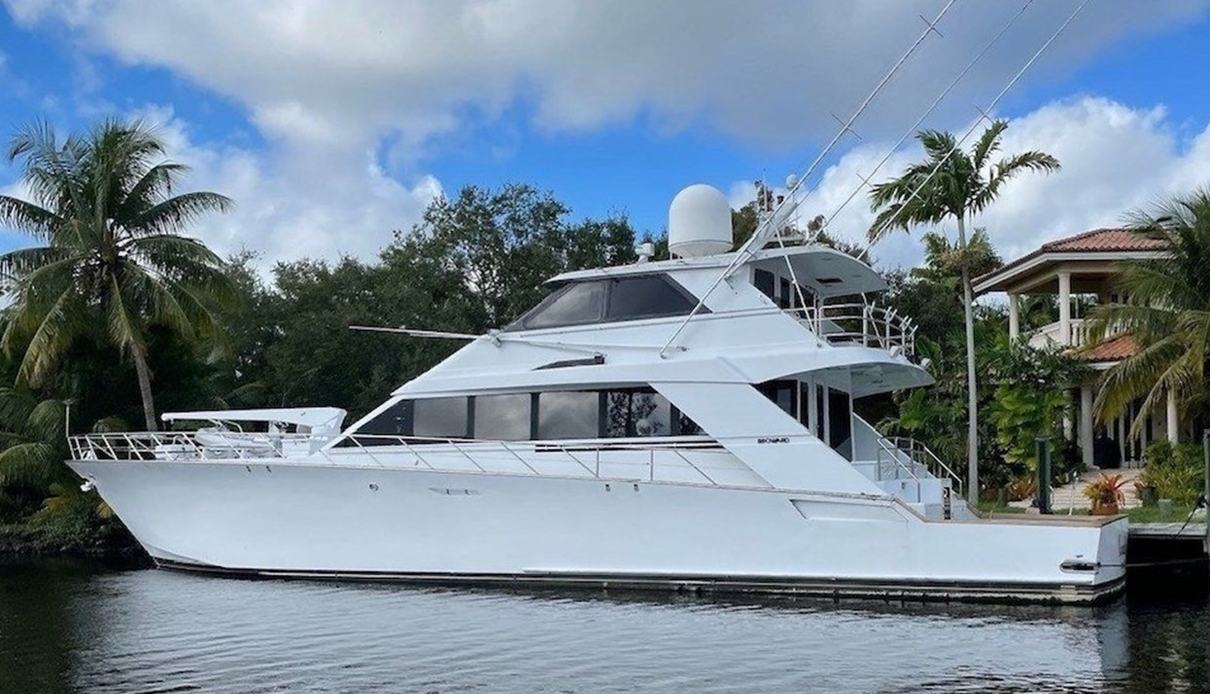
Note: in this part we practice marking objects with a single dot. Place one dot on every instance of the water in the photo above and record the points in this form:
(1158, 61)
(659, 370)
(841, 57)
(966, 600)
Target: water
(68, 627)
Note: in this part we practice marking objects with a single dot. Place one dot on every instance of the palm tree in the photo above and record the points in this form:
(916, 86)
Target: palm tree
(1167, 314)
(951, 183)
(111, 263)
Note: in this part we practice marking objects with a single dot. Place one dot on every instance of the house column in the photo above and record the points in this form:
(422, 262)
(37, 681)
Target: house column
(1086, 425)
(1014, 317)
(1173, 425)
(1065, 309)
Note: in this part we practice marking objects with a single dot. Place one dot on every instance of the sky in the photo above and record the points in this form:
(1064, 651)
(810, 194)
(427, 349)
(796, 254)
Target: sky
(333, 125)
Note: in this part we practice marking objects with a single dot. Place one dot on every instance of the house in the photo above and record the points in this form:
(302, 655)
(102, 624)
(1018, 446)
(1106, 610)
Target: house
(1081, 271)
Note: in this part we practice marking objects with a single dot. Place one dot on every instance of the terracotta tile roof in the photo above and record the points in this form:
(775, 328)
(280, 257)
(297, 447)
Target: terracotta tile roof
(1113, 349)
(1094, 241)
(1105, 240)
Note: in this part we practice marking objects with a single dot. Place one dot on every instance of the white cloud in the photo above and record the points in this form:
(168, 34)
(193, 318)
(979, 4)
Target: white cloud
(286, 208)
(328, 83)
(765, 71)
(1115, 159)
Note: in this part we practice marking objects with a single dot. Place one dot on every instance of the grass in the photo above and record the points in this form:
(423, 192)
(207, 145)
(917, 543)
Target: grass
(1152, 514)
(995, 507)
(1139, 514)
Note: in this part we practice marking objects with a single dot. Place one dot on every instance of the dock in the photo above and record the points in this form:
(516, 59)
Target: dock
(1163, 556)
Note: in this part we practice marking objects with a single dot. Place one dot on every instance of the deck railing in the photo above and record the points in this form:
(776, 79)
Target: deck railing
(435, 453)
(866, 324)
(922, 455)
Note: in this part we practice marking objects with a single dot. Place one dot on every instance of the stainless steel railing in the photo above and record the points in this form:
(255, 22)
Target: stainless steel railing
(866, 324)
(923, 455)
(436, 453)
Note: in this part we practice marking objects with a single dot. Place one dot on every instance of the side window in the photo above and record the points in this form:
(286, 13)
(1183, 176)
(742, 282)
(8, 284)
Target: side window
(582, 302)
(642, 413)
(650, 414)
(502, 417)
(783, 393)
(764, 281)
(444, 417)
(649, 296)
(784, 297)
(682, 425)
(396, 420)
(569, 415)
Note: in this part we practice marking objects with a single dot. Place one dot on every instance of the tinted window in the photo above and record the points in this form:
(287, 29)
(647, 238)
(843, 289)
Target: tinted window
(839, 422)
(583, 302)
(784, 393)
(637, 413)
(764, 281)
(783, 299)
(502, 417)
(650, 414)
(617, 413)
(641, 297)
(569, 415)
(445, 417)
(684, 426)
(396, 420)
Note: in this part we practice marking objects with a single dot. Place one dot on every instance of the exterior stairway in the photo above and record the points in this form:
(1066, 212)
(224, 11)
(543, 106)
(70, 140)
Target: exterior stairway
(909, 470)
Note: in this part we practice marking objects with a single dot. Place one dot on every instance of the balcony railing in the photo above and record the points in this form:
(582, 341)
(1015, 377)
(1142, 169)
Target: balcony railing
(868, 325)
(1051, 334)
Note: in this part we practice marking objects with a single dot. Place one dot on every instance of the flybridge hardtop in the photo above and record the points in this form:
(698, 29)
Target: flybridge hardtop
(770, 320)
(828, 271)
(689, 423)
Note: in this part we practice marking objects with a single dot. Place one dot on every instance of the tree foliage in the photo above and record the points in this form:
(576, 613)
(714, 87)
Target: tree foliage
(1167, 314)
(111, 263)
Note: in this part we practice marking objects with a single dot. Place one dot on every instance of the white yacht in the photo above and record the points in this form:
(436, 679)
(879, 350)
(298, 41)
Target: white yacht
(685, 424)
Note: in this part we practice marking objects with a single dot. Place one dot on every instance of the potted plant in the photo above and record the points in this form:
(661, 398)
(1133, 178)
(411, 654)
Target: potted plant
(1146, 489)
(1106, 495)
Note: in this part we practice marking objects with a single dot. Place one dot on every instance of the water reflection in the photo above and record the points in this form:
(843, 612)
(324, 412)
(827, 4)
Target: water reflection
(78, 628)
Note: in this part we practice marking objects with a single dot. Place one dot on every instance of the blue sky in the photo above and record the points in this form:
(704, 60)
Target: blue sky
(332, 131)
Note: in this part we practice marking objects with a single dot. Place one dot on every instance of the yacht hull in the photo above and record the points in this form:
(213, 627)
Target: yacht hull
(294, 518)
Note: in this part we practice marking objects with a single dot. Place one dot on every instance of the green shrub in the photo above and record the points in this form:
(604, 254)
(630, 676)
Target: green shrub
(1176, 472)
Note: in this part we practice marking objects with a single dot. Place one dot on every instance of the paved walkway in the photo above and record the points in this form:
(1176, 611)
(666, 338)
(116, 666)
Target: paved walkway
(1072, 495)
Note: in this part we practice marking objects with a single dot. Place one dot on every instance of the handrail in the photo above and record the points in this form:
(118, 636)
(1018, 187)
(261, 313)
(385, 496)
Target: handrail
(863, 323)
(185, 446)
(885, 446)
(914, 446)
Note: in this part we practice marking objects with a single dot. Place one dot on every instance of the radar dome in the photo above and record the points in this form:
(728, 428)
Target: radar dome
(699, 222)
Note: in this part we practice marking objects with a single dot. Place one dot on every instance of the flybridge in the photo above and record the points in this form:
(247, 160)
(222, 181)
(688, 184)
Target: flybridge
(833, 272)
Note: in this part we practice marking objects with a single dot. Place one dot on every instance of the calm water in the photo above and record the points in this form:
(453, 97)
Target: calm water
(67, 627)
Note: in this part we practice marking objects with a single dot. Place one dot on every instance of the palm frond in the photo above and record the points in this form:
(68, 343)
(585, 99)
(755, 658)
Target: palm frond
(28, 217)
(988, 143)
(31, 463)
(175, 212)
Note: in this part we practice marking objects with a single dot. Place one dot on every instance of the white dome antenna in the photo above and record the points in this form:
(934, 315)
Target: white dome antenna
(699, 222)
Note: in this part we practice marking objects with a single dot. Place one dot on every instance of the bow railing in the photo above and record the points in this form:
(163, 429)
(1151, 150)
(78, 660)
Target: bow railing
(620, 460)
(866, 324)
